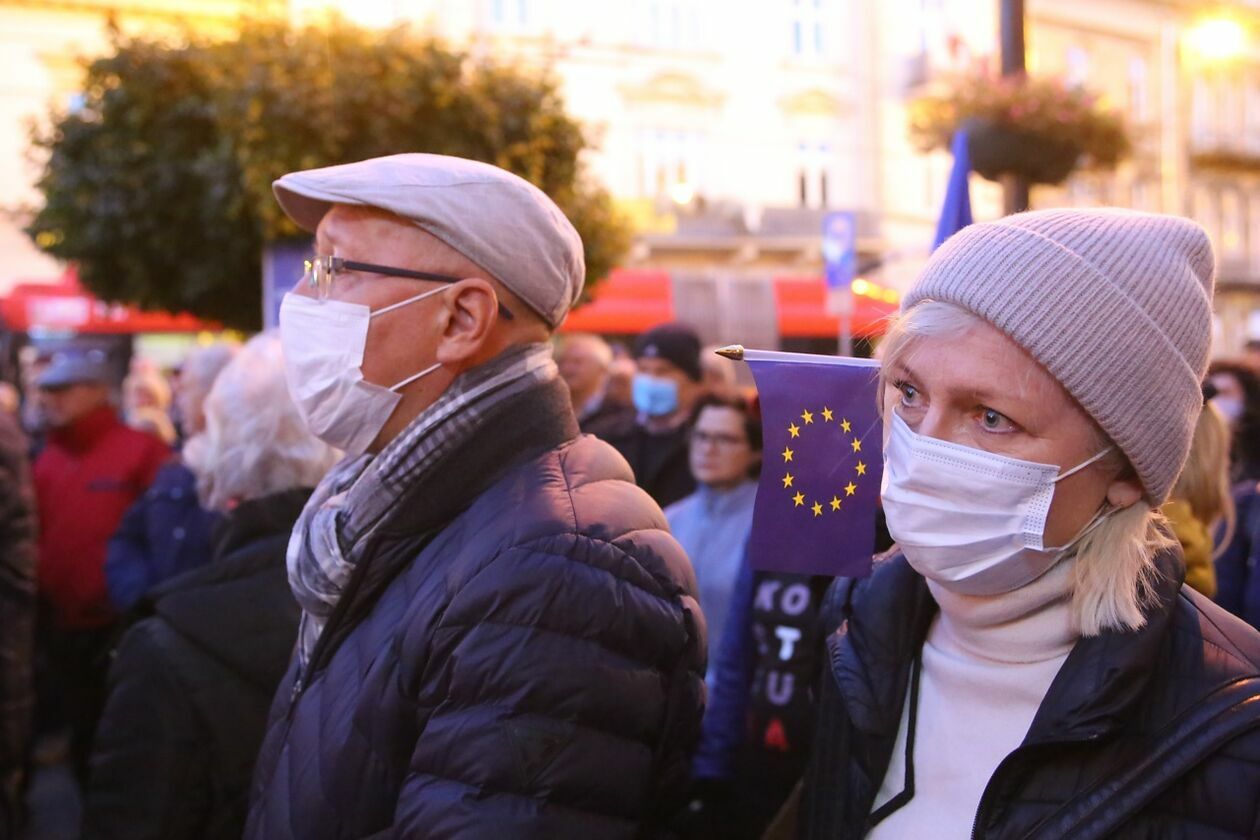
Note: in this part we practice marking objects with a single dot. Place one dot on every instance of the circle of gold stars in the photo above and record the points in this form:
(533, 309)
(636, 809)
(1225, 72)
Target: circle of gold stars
(818, 506)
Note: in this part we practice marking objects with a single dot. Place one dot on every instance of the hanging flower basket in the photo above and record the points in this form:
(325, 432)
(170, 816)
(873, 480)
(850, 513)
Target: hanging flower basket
(997, 150)
(1040, 129)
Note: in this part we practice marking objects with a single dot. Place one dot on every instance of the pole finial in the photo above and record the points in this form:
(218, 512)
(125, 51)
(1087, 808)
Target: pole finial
(734, 352)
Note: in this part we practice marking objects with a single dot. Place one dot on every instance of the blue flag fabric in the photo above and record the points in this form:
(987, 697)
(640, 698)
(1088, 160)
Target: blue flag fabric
(956, 213)
(823, 461)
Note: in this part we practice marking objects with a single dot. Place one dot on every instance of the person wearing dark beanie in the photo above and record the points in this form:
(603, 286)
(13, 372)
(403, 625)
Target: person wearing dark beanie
(666, 389)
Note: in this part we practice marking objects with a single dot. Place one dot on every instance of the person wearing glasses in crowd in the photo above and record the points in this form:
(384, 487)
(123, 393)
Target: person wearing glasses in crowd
(712, 524)
(499, 635)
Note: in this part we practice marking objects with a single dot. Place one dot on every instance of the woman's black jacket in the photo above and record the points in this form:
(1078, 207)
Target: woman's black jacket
(1153, 733)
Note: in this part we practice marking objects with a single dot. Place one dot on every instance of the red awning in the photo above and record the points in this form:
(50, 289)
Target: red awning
(64, 305)
(628, 302)
(802, 307)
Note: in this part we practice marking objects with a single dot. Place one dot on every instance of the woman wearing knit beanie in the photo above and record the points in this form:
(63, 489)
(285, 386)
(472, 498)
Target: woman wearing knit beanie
(1028, 663)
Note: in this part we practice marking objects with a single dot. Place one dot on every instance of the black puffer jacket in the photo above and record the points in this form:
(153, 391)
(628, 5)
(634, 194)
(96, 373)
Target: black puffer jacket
(191, 685)
(1150, 734)
(519, 654)
(17, 613)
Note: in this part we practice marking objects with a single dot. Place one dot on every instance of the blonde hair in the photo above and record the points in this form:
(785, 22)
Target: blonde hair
(1115, 563)
(1204, 480)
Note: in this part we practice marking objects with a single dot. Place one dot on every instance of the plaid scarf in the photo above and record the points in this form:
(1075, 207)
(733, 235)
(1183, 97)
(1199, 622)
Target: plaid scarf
(356, 496)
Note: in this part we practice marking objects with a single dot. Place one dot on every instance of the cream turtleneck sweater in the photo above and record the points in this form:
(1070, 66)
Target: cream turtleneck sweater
(987, 664)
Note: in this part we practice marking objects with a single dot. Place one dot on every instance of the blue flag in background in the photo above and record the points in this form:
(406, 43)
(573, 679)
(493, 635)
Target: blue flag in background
(956, 213)
(823, 460)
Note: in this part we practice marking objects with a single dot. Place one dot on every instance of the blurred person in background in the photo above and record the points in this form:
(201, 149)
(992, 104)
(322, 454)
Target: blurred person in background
(713, 523)
(666, 388)
(584, 360)
(1237, 398)
(1029, 662)
(1251, 354)
(717, 374)
(167, 531)
(17, 617)
(1201, 498)
(145, 388)
(91, 470)
(620, 385)
(191, 683)
(10, 399)
(153, 421)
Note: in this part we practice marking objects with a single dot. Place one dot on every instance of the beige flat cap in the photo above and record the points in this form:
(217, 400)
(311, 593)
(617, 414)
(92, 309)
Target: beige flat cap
(498, 220)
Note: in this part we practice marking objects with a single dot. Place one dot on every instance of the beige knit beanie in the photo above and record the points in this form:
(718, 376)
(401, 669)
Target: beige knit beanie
(1117, 305)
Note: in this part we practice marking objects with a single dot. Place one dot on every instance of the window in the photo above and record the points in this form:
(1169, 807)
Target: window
(671, 24)
(670, 164)
(812, 174)
(808, 40)
(1139, 90)
(1077, 67)
(509, 14)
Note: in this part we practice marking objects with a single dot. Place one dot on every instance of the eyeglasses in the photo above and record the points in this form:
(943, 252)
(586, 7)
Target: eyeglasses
(322, 271)
(699, 438)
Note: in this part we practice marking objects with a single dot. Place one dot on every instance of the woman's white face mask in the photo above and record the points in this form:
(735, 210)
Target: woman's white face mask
(971, 520)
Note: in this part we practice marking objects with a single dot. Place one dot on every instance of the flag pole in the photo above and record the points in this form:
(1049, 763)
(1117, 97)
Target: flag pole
(739, 353)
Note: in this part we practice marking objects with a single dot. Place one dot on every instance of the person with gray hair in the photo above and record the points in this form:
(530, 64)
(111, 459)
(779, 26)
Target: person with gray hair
(167, 531)
(1028, 663)
(584, 360)
(192, 681)
(499, 636)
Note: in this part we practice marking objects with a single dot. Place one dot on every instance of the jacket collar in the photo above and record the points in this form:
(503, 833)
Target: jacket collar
(873, 653)
(83, 433)
(517, 430)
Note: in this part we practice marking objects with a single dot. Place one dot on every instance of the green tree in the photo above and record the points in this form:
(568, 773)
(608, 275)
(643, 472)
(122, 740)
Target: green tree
(159, 185)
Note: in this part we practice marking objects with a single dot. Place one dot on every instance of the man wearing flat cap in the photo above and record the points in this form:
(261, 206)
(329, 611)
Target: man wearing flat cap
(499, 636)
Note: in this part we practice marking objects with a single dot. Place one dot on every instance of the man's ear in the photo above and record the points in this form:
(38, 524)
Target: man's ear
(470, 308)
(1124, 492)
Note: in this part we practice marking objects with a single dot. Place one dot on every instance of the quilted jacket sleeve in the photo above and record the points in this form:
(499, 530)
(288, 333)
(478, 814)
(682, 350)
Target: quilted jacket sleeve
(565, 688)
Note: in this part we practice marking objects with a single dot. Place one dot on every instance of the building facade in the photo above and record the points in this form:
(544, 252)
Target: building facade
(727, 130)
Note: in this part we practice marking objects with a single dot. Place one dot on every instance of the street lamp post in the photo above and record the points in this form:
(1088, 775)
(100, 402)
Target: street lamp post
(1011, 27)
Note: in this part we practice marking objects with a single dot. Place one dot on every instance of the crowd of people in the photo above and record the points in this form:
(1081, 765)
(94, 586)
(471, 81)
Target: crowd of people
(420, 566)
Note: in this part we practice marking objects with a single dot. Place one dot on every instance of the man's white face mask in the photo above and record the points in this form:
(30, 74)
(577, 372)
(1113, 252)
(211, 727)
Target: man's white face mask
(971, 520)
(323, 345)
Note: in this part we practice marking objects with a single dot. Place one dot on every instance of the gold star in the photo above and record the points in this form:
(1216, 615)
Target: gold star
(828, 416)
(835, 503)
(857, 445)
(861, 468)
(794, 430)
(799, 498)
(850, 489)
(808, 418)
(817, 509)
(787, 481)
(846, 426)
(787, 454)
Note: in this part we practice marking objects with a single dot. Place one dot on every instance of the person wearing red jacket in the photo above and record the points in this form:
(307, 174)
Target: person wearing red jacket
(91, 470)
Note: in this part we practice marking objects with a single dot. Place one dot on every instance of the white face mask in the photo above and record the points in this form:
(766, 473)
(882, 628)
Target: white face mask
(970, 520)
(1231, 408)
(323, 358)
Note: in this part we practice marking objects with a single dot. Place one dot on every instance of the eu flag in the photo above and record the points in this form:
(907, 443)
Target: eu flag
(823, 460)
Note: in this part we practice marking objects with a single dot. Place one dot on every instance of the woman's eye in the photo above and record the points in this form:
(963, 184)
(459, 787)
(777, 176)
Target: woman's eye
(994, 421)
(909, 393)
